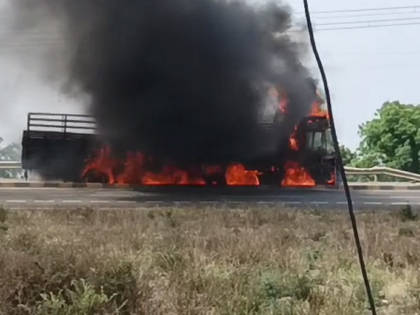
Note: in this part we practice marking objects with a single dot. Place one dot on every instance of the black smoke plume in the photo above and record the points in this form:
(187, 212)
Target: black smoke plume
(180, 79)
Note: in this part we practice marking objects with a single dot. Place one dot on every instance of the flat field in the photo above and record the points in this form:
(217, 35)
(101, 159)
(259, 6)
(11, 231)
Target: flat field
(205, 261)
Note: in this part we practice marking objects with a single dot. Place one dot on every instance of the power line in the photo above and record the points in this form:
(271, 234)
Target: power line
(365, 26)
(50, 41)
(371, 21)
(331, 26)
(414, 10)
(55, 41)
(415, 7)
(376, 53)
(325, 15)
(366, 15)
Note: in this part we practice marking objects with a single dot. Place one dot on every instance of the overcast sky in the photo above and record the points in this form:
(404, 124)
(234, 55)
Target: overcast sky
(365, 68)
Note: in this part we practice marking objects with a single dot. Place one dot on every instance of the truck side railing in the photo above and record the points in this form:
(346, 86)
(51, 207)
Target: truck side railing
(64, 123)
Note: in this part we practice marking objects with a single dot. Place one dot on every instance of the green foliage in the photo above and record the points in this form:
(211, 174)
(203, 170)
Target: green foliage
(347, 155)
(10, 152)
(81, 299)
(356, 159)
(392, 138)
(360, 159)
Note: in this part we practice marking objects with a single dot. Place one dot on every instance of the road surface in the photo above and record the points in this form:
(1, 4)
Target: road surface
(117, 198)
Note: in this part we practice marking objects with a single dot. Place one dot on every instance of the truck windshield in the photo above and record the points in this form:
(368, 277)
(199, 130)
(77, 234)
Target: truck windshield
(320, 140)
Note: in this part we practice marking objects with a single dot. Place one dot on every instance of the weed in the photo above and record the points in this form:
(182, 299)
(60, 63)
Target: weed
(204, 261)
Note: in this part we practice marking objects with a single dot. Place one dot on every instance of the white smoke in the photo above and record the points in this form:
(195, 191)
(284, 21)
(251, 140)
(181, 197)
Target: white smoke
(22, 90)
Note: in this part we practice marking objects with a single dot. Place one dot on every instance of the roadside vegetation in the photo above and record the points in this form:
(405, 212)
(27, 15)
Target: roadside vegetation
(205, 261)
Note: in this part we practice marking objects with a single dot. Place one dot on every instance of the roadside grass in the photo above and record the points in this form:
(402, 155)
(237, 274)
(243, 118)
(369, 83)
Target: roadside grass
(205, 261)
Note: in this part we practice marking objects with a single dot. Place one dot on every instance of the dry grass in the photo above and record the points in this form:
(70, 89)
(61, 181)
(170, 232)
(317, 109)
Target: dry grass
(205, 261)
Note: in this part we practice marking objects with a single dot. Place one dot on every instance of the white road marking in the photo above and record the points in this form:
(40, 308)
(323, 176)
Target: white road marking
(16, 201)
(373, 203)
(114, 194)
(30, 188)
(405, 197)
(71, 201)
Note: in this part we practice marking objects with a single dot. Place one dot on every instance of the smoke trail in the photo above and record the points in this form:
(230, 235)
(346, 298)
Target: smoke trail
(181, 79)
(25, 64)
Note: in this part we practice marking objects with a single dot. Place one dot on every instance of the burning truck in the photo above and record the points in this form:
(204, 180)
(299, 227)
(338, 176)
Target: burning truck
(69, 148)
(205, 93)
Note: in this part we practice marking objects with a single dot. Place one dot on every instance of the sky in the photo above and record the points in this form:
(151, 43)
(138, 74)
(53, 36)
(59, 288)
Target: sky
(365, 68)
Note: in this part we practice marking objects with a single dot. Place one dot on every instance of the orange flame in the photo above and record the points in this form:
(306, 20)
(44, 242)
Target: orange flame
(296, 176)
(237, 175)
(133, 173)
(317, 110)
(132, 169)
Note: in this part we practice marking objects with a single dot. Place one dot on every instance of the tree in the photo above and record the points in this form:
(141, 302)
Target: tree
(392, 138)
(10, 152)
(347, 155)
(357, 159)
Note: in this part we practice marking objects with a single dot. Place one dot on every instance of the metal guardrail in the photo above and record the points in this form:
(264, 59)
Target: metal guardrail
(10, 165)
(374, 171)
(379, 170)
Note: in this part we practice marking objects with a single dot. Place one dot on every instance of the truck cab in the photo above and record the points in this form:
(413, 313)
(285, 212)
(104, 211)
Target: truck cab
(317, 148)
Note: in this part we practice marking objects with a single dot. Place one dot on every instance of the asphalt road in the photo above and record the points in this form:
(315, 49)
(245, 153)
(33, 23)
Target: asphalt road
(117, 198)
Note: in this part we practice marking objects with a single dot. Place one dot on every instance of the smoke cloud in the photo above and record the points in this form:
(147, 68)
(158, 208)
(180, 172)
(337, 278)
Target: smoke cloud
(185, 80)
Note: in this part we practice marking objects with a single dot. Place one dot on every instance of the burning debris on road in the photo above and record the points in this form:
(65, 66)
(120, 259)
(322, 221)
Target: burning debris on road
(186, 91)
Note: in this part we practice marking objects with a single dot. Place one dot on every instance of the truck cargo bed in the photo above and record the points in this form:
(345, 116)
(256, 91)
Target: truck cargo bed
(57, 145)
